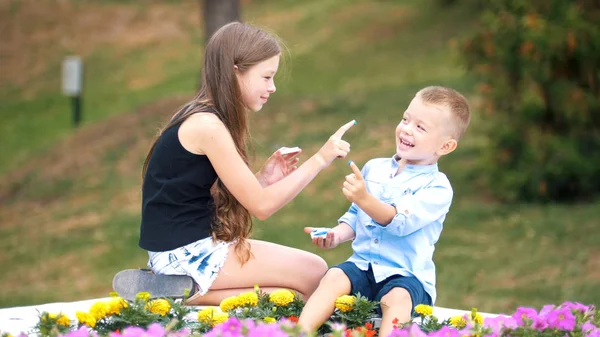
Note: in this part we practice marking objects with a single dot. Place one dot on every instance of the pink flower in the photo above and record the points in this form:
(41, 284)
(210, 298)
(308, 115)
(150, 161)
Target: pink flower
(446, 331)
(155, 330)
(546, 309)
(415, 331)
(499, 322)
(133, 331)
(561, 319)
(540, 323)
(81, 332)
(576, 306)
(399, 333)
(587, 327)
(525, 316)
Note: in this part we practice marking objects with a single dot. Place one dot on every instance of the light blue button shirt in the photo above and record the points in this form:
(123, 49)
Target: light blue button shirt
(405, 246)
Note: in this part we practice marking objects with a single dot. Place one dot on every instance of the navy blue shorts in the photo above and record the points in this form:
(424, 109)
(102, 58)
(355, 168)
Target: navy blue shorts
(364, 282)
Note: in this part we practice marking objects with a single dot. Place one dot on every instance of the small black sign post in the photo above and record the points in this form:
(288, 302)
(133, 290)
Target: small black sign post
(72, 81)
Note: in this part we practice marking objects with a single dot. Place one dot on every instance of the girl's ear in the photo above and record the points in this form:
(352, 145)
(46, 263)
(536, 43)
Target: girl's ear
(235, 67)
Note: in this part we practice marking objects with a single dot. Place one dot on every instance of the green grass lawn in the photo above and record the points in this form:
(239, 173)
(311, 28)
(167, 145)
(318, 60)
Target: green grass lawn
(69, 216)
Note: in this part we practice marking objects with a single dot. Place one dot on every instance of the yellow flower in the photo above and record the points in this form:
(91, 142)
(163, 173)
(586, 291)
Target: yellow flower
(345, 303)
(281, 297)
(143, 296)
(212, 316)
(63, 320)
(114, 305)
(229, 303)
(478, 319)
(424, 310)
(159, 306)
(249, 298)
(458, 322)
(99, 310)
(47, 317)
(86, 319)
(269, 320)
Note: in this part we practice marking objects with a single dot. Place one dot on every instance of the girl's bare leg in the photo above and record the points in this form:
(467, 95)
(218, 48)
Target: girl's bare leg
(271, 266)
(214, 297)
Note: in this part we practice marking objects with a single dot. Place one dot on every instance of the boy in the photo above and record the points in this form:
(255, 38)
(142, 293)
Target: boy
(396, 217)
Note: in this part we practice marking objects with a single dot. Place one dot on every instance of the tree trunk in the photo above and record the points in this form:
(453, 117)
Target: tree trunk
(218, 13)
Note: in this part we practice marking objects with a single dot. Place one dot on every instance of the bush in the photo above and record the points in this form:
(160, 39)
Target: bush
(538, 63)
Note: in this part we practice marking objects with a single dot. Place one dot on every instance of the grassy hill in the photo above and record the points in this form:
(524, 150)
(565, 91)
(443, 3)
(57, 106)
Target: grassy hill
(69, 199)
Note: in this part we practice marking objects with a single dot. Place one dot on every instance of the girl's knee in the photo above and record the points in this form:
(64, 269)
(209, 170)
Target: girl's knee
(319, 265)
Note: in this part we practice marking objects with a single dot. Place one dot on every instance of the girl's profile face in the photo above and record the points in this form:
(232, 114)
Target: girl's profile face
(257, 83)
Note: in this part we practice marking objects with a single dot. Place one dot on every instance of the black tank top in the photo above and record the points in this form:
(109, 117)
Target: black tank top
(177, 207)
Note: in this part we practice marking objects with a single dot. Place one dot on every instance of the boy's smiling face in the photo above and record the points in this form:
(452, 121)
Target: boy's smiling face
(424, 133)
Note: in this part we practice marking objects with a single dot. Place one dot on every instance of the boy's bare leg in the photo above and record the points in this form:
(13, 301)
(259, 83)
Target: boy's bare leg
(395, 304)
(320, 305)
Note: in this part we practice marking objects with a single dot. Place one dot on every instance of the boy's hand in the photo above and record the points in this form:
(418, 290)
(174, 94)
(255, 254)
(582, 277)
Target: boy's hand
(354, 187)
(324, 242)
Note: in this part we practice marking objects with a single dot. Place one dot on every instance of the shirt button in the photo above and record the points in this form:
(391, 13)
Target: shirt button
(376, 241)
(406, 212)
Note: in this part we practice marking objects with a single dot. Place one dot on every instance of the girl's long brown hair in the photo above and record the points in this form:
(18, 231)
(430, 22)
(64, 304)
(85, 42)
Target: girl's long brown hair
(241, 45)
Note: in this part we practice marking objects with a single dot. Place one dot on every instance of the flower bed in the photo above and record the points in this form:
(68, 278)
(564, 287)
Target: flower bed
(258, 314)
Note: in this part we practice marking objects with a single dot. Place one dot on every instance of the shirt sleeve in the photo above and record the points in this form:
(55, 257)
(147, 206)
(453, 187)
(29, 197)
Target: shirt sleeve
(350, 217)
(416, 211)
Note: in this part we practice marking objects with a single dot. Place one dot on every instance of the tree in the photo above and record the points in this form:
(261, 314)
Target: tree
(538, 63)
(218, 13)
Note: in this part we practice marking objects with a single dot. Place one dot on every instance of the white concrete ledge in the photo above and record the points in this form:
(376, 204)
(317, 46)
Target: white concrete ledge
(23, 319)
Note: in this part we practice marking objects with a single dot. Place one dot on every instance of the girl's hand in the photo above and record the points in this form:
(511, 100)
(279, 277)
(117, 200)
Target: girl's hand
(335, 146)
(277, 167)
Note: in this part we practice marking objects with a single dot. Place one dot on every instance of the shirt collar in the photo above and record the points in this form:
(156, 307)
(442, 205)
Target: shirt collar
(414, 168)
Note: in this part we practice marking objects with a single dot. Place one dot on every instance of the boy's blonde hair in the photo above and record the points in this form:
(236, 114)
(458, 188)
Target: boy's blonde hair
(457, 104)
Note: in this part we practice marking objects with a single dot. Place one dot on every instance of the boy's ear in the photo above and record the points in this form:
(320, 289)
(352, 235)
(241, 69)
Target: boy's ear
(448, 146)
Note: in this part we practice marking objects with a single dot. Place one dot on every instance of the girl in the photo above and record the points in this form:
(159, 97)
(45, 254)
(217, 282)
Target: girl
(199, 195)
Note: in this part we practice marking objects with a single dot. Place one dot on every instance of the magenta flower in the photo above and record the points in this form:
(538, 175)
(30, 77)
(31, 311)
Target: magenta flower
(540, 323)
(185, 332)
(415, 331)
(525, 316)
(593, 333)
(266, 330)
(399, 333)
(230, 328)
(546, 309)
(155, 330)
(499, 322)
(81, 332)
(587, 327)
(446, 331)
(577, 306)
(133, 331)
(561, 319)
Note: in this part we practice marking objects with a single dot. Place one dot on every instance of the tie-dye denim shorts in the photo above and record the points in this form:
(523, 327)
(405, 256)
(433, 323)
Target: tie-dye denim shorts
(201, 260)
